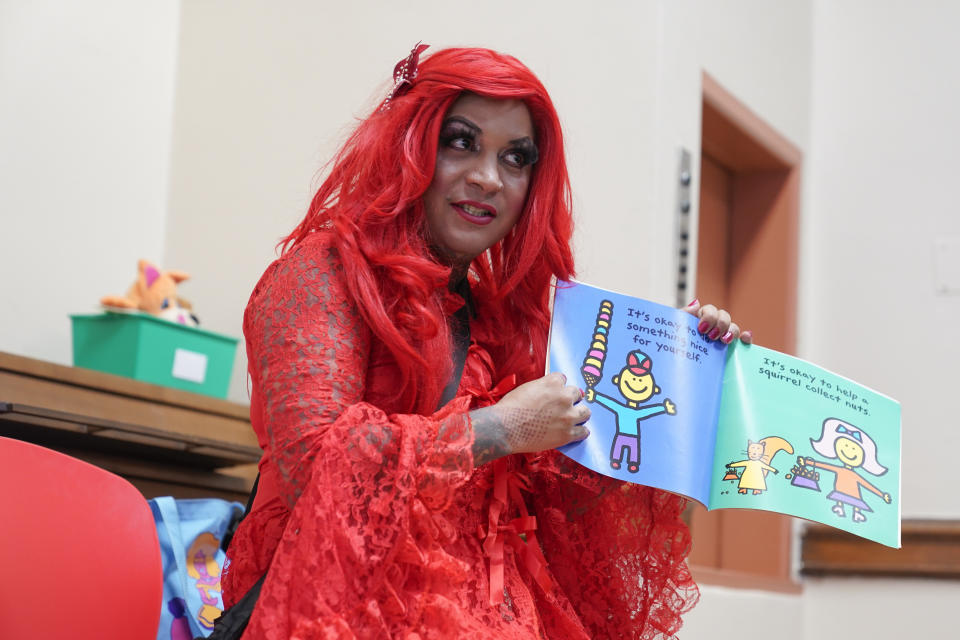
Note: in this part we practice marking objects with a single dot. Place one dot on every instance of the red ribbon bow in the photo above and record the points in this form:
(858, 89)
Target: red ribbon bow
(519, 533)
(404, 73)
(491, 396)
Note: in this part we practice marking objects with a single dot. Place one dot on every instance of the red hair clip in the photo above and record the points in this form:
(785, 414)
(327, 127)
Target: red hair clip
(404, 73)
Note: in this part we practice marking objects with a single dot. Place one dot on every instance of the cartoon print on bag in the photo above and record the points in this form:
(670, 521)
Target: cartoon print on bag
(202, 566)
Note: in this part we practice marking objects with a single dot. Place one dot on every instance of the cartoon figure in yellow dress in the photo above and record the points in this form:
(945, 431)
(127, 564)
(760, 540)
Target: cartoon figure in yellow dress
(756, 466)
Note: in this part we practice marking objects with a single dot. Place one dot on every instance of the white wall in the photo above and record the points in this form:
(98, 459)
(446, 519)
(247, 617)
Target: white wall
(86, 100)
(854, 608)
(734, 613)
(883, 163)
(882, 172)
(267, 91)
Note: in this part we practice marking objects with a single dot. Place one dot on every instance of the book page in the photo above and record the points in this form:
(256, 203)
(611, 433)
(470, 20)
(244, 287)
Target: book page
(652, 383)
(797, 439)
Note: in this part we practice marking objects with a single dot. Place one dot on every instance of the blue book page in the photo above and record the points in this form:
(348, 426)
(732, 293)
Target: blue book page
(653, 384)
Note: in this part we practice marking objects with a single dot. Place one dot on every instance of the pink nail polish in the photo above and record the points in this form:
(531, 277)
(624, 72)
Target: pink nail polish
(727, 337)
(703, 326)
(714, 334)
(695, 301)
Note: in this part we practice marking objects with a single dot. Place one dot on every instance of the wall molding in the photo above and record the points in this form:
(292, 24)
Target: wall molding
(931, 549)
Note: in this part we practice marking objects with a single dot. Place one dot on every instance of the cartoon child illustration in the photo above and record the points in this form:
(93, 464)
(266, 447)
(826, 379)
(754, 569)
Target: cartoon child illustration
(755, 467)
(202, 567)
(636, 385)
(854, 448)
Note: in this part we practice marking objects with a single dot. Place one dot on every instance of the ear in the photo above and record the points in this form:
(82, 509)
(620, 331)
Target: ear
(148, 272)
(616, 379)
(656, 389)
(750, 442)
(178, 276)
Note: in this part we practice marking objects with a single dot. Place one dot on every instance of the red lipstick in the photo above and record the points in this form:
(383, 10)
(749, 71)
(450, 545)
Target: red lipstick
(475, 212)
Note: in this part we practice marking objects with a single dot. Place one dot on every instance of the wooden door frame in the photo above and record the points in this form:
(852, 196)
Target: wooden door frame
(765, 210)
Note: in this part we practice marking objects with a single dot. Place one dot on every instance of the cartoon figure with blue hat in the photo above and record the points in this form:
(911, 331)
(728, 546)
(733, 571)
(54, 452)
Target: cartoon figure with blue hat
(855, 449)
(636, 384)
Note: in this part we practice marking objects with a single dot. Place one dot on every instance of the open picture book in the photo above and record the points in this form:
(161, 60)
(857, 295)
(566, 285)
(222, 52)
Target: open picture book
(737, 426)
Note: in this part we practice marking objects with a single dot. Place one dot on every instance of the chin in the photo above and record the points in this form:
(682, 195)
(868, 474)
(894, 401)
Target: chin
(459, 251)
(452, 256)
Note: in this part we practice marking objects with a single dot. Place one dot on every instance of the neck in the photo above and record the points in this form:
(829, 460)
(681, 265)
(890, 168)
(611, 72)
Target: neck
(458, 273)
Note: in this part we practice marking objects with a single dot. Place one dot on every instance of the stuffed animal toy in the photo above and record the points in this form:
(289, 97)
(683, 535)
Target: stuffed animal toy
(155, 292)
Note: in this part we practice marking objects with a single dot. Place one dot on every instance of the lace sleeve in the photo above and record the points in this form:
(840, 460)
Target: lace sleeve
(308, 349)
(618, 550)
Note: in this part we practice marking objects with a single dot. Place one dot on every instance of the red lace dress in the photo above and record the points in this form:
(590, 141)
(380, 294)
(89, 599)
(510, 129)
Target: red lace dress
(375, 524)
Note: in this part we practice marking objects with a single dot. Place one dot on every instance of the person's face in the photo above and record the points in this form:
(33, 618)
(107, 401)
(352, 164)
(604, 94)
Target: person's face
(848, 451)
(484, 160)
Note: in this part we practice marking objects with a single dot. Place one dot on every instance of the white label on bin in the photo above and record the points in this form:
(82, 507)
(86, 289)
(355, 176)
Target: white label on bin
(189, 365)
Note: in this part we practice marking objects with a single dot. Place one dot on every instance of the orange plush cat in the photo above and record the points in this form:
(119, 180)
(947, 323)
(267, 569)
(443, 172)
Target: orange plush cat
(155, 292)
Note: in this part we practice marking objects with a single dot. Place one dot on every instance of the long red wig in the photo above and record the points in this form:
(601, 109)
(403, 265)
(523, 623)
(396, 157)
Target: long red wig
(372, 202)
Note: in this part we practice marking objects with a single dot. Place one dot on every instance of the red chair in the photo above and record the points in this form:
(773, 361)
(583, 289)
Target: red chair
(79, 556)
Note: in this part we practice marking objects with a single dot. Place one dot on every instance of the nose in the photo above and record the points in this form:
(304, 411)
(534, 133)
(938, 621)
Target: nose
(485, 173)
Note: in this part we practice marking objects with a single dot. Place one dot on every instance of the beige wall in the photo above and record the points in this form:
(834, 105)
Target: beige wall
(886, 134)
(86, 113)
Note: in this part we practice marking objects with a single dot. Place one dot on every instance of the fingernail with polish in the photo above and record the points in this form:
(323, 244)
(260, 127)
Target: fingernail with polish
(695, 301)
(703, 326)
(727, 337)
(714, 334)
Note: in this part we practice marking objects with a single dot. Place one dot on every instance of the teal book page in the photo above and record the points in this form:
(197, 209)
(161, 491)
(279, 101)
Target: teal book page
(652, 383)
(797, 439)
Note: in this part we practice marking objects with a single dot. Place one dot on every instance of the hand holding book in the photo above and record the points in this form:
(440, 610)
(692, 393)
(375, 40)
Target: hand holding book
(717, 324)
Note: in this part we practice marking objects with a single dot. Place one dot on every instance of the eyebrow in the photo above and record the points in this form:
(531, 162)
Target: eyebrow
(464, 122)
(525, 141)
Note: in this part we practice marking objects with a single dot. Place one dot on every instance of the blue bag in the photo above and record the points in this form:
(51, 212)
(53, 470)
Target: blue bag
(190, 534)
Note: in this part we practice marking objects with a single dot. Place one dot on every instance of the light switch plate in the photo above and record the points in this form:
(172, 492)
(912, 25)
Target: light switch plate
(946, 255)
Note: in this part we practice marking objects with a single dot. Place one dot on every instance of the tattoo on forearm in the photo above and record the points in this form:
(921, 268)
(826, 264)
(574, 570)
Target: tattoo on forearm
(489, 436)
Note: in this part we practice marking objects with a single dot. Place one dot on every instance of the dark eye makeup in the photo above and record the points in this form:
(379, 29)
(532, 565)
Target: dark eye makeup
(524, 152)
(457, 134)
(460, 133)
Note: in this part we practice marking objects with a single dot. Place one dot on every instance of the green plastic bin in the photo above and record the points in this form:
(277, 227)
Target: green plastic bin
(150, 349)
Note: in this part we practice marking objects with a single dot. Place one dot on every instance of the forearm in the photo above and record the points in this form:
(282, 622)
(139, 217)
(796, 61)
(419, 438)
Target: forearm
(489, 436)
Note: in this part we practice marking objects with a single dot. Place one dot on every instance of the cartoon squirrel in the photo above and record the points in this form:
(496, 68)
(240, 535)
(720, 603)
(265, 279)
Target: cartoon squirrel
(756, 466)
